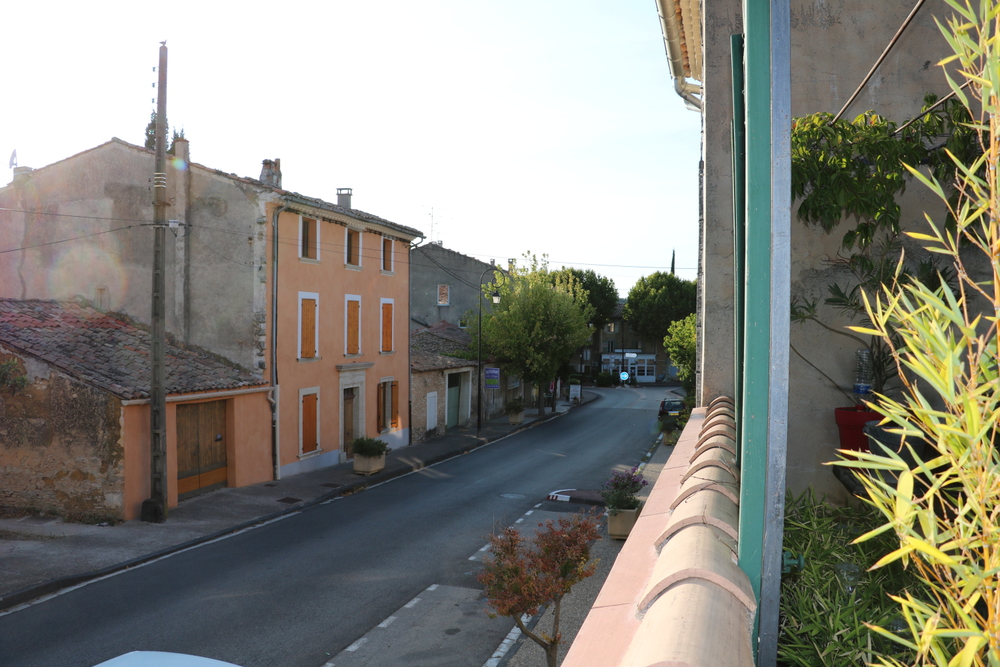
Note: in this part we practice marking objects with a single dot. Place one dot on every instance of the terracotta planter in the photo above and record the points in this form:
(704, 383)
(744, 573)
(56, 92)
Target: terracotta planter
(517, 418)
(851, 423)
(368, 465)
(620, 525)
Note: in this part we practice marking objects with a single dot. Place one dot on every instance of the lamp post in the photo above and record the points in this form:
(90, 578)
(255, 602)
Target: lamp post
(479, 363)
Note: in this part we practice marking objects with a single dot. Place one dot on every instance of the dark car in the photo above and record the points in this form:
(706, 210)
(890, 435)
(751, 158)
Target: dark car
(670, 409)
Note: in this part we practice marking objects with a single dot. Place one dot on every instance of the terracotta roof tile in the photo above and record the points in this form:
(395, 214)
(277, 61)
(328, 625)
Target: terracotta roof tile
(108, 351)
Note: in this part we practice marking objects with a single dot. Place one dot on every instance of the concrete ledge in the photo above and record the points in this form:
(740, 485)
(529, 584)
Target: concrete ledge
(676, 595)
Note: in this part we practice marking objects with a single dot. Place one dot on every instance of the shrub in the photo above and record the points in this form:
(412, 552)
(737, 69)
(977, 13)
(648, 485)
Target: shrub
(604, 379)
(620, 491)
(369, 447)
(514, 406)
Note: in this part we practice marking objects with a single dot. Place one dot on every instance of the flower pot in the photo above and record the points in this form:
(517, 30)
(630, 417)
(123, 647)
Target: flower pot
(620, 524)
(851, 423)
(516, 418)
(368, 465)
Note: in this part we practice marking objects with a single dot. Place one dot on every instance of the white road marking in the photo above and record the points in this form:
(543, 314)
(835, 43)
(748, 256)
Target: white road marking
(387, 622)
(485, 547)
(432, 587)
(412, 603)
(505, 645)
(530, 512)
(356, 645)
(519, 520)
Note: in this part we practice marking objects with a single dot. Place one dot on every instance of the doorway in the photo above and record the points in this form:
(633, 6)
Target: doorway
(201, 448)
(348, 422)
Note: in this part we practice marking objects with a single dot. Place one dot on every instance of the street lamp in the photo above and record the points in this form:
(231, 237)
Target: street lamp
(479, 363)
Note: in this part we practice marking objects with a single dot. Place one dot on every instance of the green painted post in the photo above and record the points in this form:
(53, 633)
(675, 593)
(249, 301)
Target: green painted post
(739, 217)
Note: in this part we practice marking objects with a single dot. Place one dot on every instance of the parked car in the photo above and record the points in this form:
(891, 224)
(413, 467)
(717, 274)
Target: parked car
(670, 409)
(161, 659)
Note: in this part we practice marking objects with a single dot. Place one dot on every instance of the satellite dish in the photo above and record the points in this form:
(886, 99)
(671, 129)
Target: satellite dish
(13, 159)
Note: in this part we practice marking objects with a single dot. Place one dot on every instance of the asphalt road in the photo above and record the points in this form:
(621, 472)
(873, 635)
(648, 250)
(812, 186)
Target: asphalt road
(300, 591)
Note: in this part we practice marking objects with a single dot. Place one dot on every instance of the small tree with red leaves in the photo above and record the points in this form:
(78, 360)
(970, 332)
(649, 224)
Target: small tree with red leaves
(522, 576)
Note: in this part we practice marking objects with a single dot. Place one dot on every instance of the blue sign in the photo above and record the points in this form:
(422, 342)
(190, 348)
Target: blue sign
(492, 378)
(624, 376)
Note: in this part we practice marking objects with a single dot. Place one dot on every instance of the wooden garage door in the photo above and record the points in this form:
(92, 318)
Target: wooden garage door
(201, 448)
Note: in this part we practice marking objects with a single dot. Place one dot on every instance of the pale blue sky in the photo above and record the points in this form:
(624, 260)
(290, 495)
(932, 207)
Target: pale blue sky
(524, 125)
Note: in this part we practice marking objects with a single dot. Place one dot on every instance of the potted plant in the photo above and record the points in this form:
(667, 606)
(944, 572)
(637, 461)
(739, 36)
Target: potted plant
(515, 410)
(623, 504)
(369, 455)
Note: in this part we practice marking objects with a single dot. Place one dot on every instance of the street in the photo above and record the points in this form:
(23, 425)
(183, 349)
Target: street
(299, 591)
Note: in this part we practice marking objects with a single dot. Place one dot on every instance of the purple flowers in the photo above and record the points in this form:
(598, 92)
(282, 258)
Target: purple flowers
(620, 491)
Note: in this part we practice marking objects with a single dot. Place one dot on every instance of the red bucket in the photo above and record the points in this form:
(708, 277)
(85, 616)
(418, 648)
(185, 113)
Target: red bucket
(851, 421)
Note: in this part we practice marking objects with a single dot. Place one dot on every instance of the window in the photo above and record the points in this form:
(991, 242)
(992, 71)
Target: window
(611, 346)
(308, 329)
(444, 295)
(352, 324)
(387, 307)
(353, 247)
(309, 420)
(388, 405)
(387, 255)
(308, 238)
(610, 328)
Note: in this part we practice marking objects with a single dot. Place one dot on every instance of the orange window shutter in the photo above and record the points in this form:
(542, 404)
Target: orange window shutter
(353, 328)
(308, 328)
(387, 327)
(386, 254)
(310, 442)
(395, 405)
(380, 402)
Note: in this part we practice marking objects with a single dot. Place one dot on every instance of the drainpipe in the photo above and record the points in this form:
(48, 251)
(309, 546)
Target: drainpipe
(672, 40)
(275, 395)
(409, 367)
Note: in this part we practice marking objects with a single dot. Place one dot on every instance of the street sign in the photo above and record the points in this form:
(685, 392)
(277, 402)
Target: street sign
(631, 355)
(624, 376)
(492, 378)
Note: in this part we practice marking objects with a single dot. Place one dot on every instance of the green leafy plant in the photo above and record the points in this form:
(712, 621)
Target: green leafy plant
(520, 577)
(825, 606)
(369, 447)
(681, 344)
(514, 406)
(943, 510)
(620, 492)
(10, 379)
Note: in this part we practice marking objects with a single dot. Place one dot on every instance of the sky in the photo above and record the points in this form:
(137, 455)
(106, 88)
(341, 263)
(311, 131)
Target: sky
(495, 127)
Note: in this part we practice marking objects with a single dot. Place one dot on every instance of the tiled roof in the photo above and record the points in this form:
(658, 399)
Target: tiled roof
(449, 332)
(422, 361)
(109, 352)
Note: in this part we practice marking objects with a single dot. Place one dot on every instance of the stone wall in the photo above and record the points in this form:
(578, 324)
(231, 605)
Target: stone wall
(60, 447)
(421, 385)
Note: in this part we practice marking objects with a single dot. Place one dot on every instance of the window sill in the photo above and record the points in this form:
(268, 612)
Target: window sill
(385, 353)
(309, 455)
(388, 273)
(308, 260)
(354, 356)
(352, 267)
(309, 360)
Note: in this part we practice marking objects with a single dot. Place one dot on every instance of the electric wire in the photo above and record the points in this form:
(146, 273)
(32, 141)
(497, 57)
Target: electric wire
(885, 52)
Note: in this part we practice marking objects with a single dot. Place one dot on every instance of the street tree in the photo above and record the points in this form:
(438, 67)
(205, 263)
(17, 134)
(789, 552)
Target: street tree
(601, 293)
(537, 326)
(681, 344)
(520, 577)
(656, 301)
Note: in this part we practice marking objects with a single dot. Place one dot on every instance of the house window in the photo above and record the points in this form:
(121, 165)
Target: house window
(309, 420)
(387, 255)
(586, 354)
(388, 405)
(308, 238)
(610, 328)
(387, 307)
(352, 324)
(308, 327)
(444, 295)
(611, 346)
(353, 247)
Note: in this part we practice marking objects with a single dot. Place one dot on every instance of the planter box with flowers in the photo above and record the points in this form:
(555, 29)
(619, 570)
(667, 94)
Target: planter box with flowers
(369, 455)
(623, 504)
(515, 410)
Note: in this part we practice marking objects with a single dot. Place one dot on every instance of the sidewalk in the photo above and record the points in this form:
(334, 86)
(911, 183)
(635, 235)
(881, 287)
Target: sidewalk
(42, 555)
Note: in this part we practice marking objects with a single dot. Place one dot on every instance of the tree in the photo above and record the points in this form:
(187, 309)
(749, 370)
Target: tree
(601, 293)
(151, 134)
(681, 344)
(521, 577)
(656, 301)
(536, 327)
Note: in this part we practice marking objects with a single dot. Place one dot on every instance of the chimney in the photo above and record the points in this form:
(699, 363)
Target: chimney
(182, 150)
(21, 175)
(344, 197)
(270, 173)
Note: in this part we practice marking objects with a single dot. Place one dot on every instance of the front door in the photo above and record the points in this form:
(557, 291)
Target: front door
(349, 422)
(201, 448)
(454, 398)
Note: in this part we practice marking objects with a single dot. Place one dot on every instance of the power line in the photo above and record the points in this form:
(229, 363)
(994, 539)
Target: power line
(75, 238)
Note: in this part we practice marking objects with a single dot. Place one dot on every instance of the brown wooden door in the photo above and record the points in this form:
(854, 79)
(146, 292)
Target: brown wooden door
(201, 448)
(349, 422)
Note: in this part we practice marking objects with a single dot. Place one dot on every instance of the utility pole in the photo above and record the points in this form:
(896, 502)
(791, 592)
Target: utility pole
(154, 508)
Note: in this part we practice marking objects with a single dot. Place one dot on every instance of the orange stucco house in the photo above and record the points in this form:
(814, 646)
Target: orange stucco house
(338, 296)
